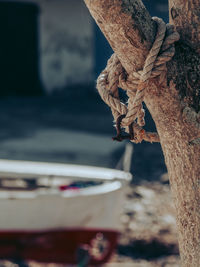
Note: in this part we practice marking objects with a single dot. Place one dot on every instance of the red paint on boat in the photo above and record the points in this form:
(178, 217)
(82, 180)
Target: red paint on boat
(67, 187)
(57, 246)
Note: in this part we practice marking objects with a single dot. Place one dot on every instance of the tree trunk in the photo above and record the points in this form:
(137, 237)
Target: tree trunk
(174, 105)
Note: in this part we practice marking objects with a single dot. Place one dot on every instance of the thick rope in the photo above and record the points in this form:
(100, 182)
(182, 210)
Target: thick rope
(135, 84)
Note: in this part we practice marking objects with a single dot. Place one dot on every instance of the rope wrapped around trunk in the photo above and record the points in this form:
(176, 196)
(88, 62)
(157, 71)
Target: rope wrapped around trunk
(135, 84)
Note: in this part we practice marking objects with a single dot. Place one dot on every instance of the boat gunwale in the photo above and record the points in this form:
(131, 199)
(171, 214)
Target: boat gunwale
(14, 169)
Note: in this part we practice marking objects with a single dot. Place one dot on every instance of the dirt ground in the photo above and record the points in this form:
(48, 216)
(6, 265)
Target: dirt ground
(149, 228)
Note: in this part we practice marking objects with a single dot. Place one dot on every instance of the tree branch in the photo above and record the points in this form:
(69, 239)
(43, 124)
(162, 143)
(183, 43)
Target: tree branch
(185, 15)
(127, 26)
(184, 70)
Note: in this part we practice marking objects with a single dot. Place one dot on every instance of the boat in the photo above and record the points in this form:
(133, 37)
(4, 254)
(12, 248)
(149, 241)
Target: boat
(59, 213)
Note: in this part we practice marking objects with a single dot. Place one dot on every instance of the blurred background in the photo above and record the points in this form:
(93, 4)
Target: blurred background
(51, 53)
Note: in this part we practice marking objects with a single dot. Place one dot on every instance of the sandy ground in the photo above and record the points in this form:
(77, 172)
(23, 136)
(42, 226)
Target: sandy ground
(149, 227)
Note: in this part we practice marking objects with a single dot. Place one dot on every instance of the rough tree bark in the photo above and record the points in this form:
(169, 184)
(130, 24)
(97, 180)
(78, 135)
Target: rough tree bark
(174, 105)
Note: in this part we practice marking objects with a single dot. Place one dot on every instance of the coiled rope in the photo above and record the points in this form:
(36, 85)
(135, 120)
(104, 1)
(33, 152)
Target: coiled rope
(135, 84)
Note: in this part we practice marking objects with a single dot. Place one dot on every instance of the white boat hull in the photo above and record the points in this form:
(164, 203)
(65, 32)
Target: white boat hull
(50, 224)
(51, 209)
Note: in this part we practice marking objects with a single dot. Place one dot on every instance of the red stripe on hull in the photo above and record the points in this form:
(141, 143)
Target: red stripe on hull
(58, 246)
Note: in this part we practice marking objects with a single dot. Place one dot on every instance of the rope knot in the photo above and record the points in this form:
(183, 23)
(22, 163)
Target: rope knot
(135, 84)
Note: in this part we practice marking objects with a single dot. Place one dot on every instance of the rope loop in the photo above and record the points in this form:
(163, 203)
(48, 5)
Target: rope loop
(135, 84)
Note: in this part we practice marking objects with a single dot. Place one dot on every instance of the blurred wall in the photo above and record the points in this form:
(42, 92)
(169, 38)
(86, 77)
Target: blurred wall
(66, 43)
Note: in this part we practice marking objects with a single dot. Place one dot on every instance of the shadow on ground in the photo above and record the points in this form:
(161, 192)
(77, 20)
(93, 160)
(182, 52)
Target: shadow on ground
(148, 250)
